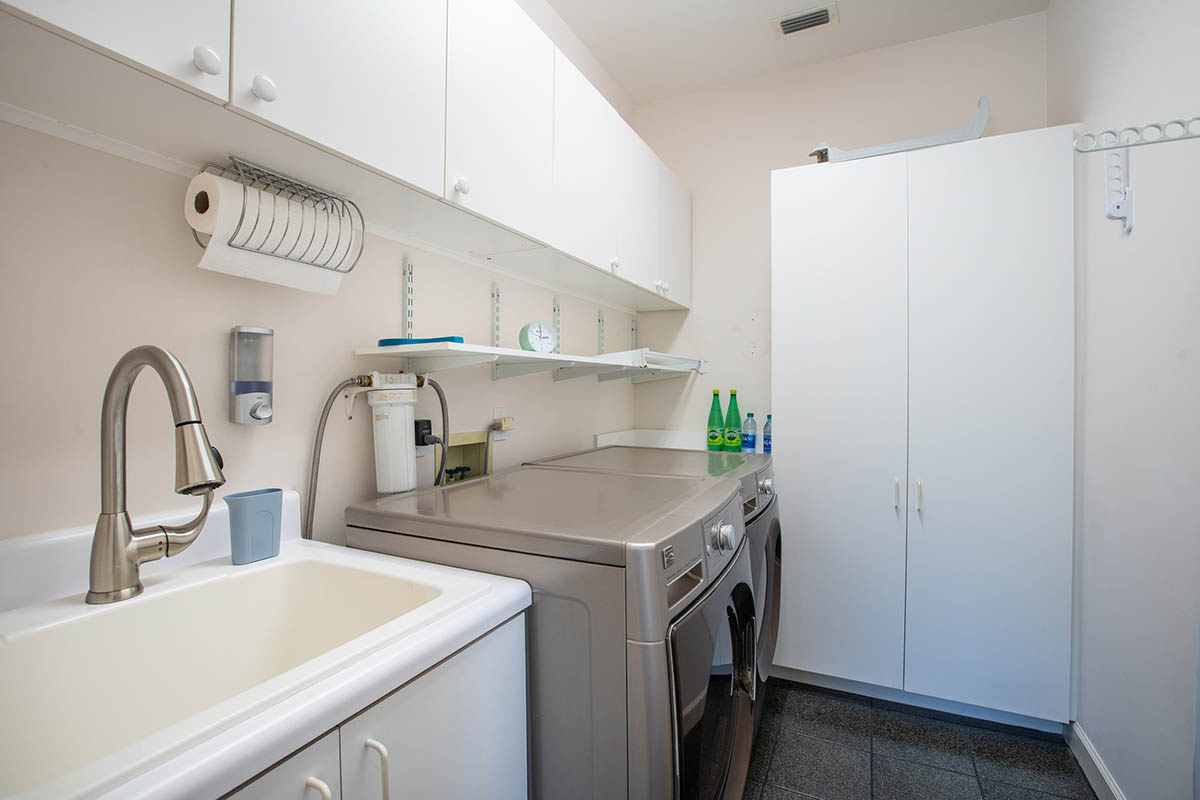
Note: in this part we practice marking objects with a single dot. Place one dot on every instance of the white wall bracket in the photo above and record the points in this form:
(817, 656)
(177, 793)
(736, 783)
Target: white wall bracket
(972, 130)
(600, 332)
(495, 314)
(556, 321)
(633, 345)
(409, 303)
(1118, 194)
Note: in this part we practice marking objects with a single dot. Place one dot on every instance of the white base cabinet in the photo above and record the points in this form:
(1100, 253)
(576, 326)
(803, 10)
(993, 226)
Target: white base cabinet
(923, 390)
(456, 732)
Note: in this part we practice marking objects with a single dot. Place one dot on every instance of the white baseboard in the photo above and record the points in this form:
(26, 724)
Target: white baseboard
(1097, 772)
(919, 700)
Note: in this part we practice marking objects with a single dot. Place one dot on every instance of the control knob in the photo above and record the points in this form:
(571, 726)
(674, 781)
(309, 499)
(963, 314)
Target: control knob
(766, 485)
(724, 537)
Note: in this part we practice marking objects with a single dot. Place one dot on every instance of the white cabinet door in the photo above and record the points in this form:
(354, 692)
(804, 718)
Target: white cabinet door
(586, 149)
(304, 775)
(500, 115)
(159, 34)
(991, 264)
(674, 237)
(458, 731)
(366, 80)
(839, 384)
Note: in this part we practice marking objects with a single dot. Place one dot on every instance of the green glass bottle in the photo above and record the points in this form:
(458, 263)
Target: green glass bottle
(716, 423)
(733, 425)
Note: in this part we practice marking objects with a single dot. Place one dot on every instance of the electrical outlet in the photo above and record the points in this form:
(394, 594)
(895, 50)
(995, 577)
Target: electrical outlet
(498, 413)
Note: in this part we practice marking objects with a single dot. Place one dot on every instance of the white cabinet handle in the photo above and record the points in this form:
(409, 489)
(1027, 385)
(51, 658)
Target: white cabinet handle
(895, 493)
(920, 497)
(662, 286)
(462, 186)
(264, 88)
(321, 786)
(614, 264)
(378, 747)
(207, 60)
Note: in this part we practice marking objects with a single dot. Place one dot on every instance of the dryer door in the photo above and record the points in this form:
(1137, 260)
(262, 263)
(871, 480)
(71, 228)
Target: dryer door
(711, 650)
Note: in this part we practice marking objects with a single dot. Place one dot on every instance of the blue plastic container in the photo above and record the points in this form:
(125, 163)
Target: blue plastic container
(254, 524)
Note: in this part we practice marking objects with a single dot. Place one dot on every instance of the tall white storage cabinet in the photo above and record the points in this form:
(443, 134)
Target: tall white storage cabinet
(923, 371)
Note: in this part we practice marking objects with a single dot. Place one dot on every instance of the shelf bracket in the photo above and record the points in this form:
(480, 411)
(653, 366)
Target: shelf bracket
(633, 335)
(408, 299)
(502, 371)
(556, 321)
(495, 314)
(600, 332)
(1118, 194)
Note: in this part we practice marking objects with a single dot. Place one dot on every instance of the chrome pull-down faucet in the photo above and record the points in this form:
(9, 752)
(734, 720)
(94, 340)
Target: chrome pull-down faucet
(118, 549)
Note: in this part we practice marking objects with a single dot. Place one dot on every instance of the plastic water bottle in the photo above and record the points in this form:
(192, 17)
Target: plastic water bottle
(767, 435)
(749, 433)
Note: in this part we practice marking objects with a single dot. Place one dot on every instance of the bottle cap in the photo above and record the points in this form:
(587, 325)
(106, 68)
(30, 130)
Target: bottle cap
(716, 391)
(768, 416)
(733, 391)
(749, 413)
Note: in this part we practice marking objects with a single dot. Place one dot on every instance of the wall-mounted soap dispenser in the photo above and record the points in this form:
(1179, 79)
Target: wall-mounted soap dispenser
(251, 353)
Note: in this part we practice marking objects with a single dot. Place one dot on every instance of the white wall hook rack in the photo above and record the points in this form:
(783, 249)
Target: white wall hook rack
(1115, 144)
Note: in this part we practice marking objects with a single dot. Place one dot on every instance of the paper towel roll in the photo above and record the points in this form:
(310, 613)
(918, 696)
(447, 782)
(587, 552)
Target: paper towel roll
(272, 224)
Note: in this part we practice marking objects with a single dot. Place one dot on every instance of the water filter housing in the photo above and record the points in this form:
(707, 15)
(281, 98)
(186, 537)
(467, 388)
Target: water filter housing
(393, 409)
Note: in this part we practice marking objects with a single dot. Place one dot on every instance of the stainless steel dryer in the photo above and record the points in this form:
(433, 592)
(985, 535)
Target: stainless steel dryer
(643, 624)
(760, 513)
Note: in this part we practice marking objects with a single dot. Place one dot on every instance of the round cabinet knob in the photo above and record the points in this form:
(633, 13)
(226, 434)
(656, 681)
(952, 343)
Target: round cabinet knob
(666, 287)
(614, 264)
(262, 411)
(462, 186)
(207, 60)
(264, 88)
(766, 485)
(727, 537)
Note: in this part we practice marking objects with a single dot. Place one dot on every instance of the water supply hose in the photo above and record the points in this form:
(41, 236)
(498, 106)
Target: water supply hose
(441, 473)
(310, 499)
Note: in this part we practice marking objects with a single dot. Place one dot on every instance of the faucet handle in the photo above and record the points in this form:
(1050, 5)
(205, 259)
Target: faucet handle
(217, 456)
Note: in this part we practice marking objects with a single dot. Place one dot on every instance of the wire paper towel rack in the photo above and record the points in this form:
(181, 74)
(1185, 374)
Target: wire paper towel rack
(337, 248)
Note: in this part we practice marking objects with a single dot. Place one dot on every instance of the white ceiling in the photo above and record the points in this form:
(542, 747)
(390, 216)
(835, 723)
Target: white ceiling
(658, 48)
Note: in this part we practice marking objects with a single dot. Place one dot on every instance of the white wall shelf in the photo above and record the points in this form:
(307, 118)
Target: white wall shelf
(639, 365)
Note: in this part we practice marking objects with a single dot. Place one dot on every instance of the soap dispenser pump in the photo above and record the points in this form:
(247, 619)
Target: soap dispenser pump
(251, 356)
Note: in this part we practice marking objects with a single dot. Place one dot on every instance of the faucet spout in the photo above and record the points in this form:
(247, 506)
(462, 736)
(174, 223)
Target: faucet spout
(117, 549)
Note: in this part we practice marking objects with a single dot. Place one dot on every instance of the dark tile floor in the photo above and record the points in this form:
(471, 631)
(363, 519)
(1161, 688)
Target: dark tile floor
(831, 746)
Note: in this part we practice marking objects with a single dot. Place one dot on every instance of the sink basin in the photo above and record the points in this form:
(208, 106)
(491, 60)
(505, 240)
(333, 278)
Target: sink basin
(92, 695)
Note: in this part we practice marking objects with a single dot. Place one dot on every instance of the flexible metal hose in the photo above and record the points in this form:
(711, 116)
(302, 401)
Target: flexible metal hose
(310, 501)
(441, 473)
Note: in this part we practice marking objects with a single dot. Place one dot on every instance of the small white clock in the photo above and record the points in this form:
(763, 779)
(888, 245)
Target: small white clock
(539, 336)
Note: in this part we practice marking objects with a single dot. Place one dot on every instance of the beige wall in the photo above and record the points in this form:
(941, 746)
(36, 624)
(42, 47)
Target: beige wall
(97, 259)
(724, 142)
(1138, 511)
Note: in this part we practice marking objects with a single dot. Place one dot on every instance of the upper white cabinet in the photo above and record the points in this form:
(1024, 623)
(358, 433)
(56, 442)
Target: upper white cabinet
(587, 136)
(500, 115)
(923, 351)
(186, 40)
(366, 80)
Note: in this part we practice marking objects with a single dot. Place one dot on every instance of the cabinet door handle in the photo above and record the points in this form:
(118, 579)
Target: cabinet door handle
(264, 88)
(895, 492)
(920, 497)
(321, 786)
(378, 747)
(207, 60)
(462, 186)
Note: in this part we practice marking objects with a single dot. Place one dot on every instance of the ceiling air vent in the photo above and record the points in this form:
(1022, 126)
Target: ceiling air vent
(813, 18)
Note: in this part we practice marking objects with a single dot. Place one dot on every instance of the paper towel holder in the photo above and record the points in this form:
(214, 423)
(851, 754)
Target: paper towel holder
(338, 248)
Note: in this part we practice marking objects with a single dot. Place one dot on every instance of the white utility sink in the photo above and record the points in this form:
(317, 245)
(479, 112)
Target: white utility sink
(92, 697)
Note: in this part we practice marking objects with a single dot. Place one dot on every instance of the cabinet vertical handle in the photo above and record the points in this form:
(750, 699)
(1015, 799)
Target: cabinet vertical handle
(895, 492)
(378, 747)
(321, 786)
(920, 497)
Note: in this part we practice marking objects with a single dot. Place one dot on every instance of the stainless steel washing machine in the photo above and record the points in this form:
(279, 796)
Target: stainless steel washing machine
(643, 625)
(760, 513)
